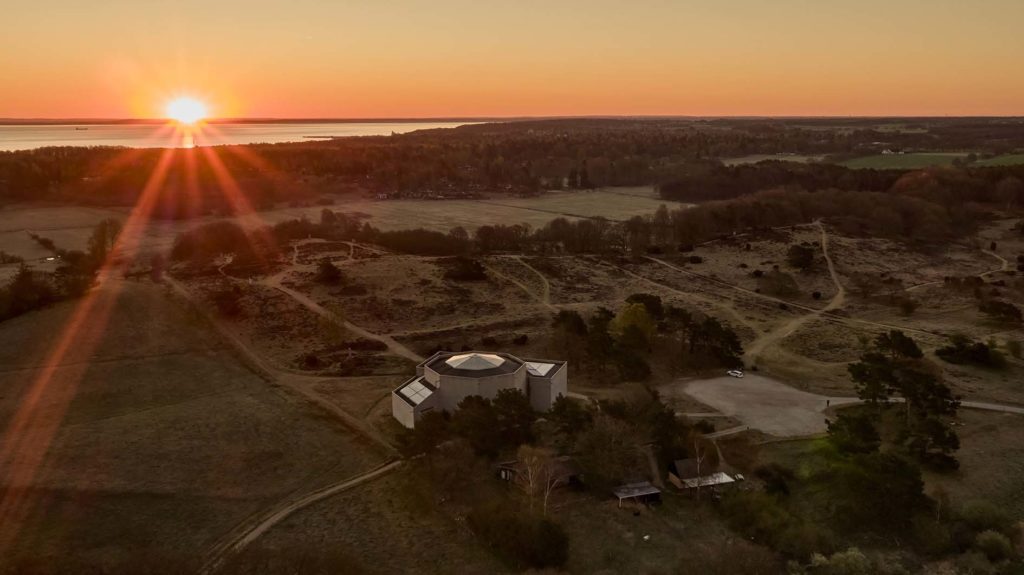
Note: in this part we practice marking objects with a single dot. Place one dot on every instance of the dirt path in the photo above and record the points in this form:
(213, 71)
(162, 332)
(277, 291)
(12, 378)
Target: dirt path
(253, 528)
(541, 299)
(823, 314)
(727, 308)
(300, 384)
(545, 295)
(392, 345)
(758, 346)
(1004, 265)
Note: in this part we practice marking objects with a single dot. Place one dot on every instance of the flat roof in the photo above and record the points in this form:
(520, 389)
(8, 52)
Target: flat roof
(543, 367)
(415, 390)
(640, 489)
(718, 478)
(539, 369)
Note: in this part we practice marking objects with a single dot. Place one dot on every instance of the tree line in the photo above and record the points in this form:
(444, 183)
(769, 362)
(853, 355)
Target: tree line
(517, 157)
(31, 289)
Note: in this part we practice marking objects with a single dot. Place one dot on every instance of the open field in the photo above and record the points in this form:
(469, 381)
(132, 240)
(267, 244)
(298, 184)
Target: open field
(615, 204)
(992, 460)
(755, 158)
(905, 161)
(70, 226)
(383, 528)
(1004, 160)
(991, 457)
(163, 440)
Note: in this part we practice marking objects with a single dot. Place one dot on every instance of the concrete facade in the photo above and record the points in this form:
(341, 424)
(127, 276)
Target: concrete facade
(446, 378)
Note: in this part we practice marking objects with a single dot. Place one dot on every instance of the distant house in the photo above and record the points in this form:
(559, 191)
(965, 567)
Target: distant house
(446, 378)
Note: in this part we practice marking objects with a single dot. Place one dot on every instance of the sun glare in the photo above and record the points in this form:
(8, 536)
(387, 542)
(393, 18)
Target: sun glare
(186, 110)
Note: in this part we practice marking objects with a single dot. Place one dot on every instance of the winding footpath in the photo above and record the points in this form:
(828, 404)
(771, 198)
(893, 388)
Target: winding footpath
(758, 346)
(252, 529)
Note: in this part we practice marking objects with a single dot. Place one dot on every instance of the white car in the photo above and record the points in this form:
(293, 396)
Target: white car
(735, 373)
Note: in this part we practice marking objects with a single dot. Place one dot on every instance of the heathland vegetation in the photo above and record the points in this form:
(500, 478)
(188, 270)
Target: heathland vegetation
(789, 271)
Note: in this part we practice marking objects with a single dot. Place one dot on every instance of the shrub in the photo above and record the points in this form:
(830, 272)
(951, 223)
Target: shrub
(964, 351)
(6, 258)
(776, 478)
(633, 367)
(463, 269)
(778, 284)
(651, 302)
(327, 272)
(228, 301)
(799, 256)
(205, 242)
(1013, 346)
(908, 305)
(994, 545)
(704, 426)
(931, 536)
(849, 562)
(311, 361)
(525, 541)
(984, 516)
(1001, 311)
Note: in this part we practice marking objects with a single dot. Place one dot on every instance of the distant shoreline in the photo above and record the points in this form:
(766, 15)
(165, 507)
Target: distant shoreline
(158, 121)
(473, 119)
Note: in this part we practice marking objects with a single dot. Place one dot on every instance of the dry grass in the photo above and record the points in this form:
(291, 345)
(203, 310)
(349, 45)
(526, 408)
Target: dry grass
(168, 442)
(991, 461)
(387, 529)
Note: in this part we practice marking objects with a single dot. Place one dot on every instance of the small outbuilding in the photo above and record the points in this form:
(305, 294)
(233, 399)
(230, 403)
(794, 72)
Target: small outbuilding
(641, 492)
(684, 475)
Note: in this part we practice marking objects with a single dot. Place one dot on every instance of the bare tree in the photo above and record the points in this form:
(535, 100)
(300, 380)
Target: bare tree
(538, 473)
(704, 451)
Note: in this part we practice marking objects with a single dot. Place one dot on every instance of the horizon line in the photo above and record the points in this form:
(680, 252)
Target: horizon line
(484, 119)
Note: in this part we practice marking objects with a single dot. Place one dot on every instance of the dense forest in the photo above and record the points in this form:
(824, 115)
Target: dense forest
(522, 157)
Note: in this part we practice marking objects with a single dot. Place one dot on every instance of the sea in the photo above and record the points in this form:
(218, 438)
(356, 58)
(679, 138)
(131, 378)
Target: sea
(157, 135)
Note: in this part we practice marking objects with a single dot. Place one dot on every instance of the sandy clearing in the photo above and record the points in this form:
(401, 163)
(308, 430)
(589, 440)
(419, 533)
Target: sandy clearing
(777, 409)
(760, 403)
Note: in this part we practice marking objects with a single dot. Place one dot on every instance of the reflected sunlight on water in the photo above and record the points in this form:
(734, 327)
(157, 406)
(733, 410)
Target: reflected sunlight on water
(26, 137)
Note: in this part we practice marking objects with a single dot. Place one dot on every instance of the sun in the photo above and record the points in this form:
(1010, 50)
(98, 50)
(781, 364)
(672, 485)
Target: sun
(186, 110)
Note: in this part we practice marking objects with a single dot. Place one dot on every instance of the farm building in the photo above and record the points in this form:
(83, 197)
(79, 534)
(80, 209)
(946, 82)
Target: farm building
(445, 379)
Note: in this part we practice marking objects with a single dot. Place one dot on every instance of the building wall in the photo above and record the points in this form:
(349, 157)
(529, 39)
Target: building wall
(403, 412)
(454, 389)
(430, 375)
(545, 390)
(451, 390)
(559, 383)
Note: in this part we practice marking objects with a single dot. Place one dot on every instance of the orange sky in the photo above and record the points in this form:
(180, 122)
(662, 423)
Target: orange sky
(420, 58)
